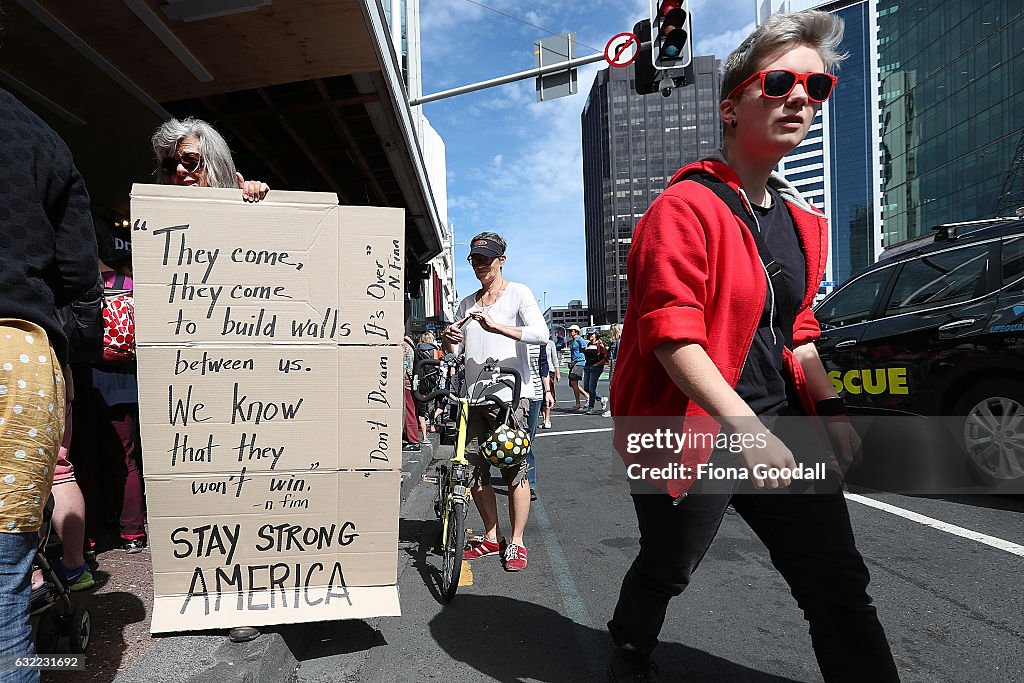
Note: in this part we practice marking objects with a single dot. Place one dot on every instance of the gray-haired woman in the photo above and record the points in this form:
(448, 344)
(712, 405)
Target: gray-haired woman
(722, 272)
(191, 152)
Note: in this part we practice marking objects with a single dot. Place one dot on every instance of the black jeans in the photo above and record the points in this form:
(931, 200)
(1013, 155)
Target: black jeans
(810, 541)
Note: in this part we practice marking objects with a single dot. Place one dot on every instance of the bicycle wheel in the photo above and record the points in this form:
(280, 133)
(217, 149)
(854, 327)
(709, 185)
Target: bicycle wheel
(452, 549)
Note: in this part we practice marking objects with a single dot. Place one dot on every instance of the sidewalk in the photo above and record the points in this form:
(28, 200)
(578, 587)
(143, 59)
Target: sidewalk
(123, 650)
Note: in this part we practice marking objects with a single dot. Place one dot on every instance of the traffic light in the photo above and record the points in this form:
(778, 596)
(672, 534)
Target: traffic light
(672, 46)
(646, 78)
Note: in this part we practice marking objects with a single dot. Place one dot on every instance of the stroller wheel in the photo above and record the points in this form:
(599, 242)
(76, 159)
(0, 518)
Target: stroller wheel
(80, 630)
(48, 632)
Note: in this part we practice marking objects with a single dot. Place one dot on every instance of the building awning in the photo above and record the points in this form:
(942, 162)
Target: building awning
(309, 95)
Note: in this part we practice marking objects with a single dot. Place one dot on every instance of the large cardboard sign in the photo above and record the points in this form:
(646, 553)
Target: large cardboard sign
(270, 399)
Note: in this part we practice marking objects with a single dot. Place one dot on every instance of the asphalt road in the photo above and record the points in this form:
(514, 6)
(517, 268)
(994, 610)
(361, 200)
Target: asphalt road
(949, 595)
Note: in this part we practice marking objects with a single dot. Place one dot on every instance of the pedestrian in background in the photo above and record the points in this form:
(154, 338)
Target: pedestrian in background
(554, 377)
(596, 357)
(577, 361)
(426, 349)
(726, 331)
(410, 425)
(613, 349)
(47, 260)
(546, 398)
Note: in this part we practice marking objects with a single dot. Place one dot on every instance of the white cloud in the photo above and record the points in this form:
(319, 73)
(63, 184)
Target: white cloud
(721, 44)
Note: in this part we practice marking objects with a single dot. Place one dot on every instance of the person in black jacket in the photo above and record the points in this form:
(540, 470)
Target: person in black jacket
(47, 260)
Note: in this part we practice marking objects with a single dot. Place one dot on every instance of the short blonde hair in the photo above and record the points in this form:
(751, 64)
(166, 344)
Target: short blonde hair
(821, 31)
(427, 337)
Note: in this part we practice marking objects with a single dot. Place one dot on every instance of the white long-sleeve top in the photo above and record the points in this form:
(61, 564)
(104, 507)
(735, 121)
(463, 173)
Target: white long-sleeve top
(516, 307)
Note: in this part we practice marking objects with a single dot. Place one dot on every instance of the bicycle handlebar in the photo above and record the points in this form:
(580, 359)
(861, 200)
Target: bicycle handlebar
(422, 363)
(417, 372)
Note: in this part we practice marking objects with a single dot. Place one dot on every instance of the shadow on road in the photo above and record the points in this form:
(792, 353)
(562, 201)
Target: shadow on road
(316, 640)
(110, 614)
(511, 640)
(420, 539)
(992, 502)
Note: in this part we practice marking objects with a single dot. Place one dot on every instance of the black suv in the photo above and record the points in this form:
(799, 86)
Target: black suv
(936, 328)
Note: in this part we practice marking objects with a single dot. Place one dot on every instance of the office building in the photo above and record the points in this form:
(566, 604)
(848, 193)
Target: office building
(952, 107)
(837, 166)
(632, 146)
(433, 301)
(575, 313)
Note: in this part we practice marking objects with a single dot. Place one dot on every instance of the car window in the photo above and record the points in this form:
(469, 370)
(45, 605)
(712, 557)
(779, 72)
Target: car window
(1013, 262)
(939, 279)
(852, 304)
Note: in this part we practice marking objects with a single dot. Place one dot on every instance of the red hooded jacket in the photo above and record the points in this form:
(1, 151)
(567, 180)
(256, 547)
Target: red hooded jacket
(694, 275)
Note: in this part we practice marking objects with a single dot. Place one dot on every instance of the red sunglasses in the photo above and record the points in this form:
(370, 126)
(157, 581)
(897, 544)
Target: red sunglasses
(778, 83)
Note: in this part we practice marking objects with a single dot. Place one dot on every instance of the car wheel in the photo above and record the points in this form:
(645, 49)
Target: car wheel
(992, 432)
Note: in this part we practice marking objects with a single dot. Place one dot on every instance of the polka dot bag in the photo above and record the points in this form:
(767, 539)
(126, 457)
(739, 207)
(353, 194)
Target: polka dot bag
(118, 322)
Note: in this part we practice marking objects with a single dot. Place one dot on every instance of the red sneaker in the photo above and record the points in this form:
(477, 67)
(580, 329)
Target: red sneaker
(482, 548)
(515, 558)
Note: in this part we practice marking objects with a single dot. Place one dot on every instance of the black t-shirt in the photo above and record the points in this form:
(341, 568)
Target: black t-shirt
(762, 383)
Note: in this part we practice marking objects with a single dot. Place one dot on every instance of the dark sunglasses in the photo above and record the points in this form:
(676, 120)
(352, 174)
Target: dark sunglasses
(480, 258)
(778, 83)
(190, 162)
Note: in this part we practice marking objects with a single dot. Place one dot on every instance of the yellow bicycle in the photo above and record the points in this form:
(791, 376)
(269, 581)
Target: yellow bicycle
(455, 476)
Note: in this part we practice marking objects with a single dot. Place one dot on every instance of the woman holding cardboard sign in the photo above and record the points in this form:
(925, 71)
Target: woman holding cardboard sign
(191, 152)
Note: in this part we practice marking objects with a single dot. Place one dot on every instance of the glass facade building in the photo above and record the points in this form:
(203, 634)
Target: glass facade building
(952, 107)
(632, 146)
(836, 167)
(854, 183)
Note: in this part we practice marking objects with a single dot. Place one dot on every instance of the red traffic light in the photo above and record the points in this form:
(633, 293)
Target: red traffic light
(668, 6)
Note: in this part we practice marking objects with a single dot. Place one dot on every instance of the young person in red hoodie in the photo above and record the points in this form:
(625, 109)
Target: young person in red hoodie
(722, 273)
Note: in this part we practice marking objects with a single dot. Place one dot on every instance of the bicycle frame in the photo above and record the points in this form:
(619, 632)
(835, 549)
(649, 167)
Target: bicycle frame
(455, 486)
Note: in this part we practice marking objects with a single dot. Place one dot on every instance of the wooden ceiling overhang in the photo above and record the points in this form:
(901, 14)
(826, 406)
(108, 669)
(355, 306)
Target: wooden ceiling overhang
(308, 93)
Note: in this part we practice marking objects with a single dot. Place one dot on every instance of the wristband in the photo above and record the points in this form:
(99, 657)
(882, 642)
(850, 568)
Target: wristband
(830, 407)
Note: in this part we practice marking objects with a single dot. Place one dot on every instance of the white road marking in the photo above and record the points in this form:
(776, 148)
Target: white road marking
(960, 531)
(575, 431)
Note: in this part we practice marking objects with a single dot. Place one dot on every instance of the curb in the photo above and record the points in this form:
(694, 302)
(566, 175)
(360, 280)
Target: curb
(268, 659)
(414, 465)
(264, 660)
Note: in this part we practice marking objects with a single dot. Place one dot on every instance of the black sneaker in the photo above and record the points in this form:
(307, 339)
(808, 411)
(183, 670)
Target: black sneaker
(134, 545)
(622, 669)
(411, 448)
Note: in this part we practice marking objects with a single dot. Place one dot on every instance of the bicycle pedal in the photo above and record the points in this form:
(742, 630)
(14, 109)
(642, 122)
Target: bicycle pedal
(429, 479)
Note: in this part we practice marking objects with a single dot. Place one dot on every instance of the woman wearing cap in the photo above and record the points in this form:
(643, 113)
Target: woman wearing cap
(722, 272)
(497, 322)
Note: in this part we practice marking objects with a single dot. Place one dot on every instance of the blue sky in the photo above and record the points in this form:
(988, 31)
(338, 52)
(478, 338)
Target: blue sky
(515, 165)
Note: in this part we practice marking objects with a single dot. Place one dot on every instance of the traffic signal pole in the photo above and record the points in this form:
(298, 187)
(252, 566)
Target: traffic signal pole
(512, 78)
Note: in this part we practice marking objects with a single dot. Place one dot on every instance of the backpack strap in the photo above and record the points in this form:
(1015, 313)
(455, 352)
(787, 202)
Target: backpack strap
(785, 302)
